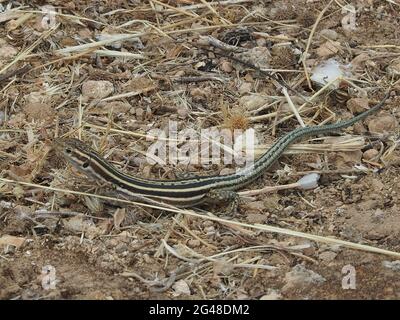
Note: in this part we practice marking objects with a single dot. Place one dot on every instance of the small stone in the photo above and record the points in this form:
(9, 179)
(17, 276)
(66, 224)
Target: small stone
(11, 243)
(327, 256)
(311, 63)
(85, 33)
(329, 33)
(357, 105)
(394, 68)
(374, 235)
(183, 112)
(92, 89)
(370, 154)
(260, 56)
(379, 214)
(253, 101)
(180, 73)
(245, 87)
(34, 97)
(222, 267)
(147, 259)
(181, 288)
(328, 49)
(118, 107)
(309, 251)
(359, 60)
(38, 111)
(149, 112)
(300, 277)
(7, 51)
(359, 128)
(261, 42)
(256, 205)
(383, 124)
(200, 94)
(226, 66)
(194, 243)
(377, 185)
(256, 218)
(347, 159)
(121, 248)
(392, 265)
(289, 210)
(9, 249)
(139, 113)
(209, 230)
(272, 295)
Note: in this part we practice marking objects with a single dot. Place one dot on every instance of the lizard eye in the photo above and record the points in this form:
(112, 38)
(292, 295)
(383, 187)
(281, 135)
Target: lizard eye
(85, 164)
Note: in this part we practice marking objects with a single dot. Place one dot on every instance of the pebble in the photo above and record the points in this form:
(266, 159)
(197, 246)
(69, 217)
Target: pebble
(300, 277)
(252, 101)
(328, 49)
(272, 295)
(119, 107)
(92, 89)
(327, 256)
(7, 51)
(245, 87)
(181, 288)
(309, 251)
(256, 218)
(139, 113)
(382, 124)
(183, 112)
(226, 66)
(329, 33)
(394, 68)
(38, 111)
(194, 243)
(347, 159)
(370, 154)
(357, 105)
(256, 205)
(121, 247)
(392, 265)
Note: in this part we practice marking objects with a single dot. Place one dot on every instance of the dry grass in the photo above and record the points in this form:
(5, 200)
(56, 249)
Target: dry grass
(167, 62)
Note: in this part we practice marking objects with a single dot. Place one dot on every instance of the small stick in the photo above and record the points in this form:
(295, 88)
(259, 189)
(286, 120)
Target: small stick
(321, 14)
(252, 66)
(293, 107)
(17, 72)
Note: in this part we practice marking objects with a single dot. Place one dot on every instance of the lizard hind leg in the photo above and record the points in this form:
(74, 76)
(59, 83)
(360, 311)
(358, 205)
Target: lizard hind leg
(218, 196)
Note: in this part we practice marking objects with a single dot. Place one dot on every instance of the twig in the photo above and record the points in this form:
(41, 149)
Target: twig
(260, 227)
(321, 14)
(17, 72)
(199, 79)
(250, 65)
(292, 106)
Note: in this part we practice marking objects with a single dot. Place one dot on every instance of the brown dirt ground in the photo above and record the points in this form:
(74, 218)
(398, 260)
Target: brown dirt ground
(99, 249)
